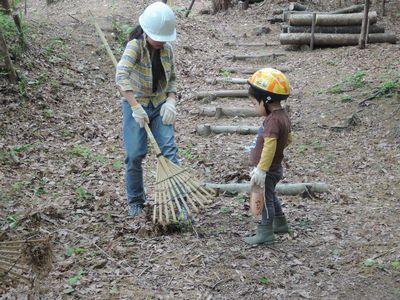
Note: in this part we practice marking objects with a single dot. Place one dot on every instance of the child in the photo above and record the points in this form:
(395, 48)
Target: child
(268, 87)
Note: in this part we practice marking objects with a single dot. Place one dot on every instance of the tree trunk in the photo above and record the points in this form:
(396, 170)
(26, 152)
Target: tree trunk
(281, 188)
(322, 39)
(223, 93)
(332, 20)
(334, 29)
(8, 11)
(207, 129)
(227, 111)
(351, 9)
(364, 25)
(8, 62)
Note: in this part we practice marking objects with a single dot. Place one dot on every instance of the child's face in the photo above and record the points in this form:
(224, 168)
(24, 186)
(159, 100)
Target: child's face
(259, 106)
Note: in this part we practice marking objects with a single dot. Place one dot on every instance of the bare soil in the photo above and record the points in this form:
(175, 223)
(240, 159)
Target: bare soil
(62, 170)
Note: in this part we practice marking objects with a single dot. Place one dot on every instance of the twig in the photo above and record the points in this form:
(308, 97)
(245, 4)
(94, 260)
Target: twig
(386, 252)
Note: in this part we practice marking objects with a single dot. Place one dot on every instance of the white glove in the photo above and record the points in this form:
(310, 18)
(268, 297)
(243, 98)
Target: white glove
(168, 111)
(258, 177)
(139, 114)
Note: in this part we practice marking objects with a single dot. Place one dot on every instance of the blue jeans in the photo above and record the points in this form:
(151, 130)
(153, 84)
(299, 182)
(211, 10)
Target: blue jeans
(135, 143)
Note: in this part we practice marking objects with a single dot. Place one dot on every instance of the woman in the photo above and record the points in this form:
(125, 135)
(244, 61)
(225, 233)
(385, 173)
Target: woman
(146, 79)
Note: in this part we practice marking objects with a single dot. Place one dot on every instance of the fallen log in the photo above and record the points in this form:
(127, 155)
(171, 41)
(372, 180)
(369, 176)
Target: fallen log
(281, 188)
(325, 39)
(227, 111)
(331, 20)
(207, 129)
(333, 29)
(234, 44)
(221, 94)
(262, 57)
(283, 69)
(297, 6)
(350, 9)
(226, 80)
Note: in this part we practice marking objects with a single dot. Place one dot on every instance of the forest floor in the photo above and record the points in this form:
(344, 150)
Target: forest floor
(62, 164)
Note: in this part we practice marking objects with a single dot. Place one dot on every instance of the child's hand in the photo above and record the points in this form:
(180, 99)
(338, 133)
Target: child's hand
(258, 177)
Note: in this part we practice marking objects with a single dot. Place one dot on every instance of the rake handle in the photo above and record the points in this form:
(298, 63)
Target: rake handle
(152, 139)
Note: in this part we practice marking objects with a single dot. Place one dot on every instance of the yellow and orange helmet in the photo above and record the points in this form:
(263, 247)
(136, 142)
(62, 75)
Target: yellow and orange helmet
(271, 81)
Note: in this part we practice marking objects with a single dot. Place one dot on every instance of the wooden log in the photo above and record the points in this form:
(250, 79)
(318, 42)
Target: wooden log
(350, 9)
(283, 69)
(236, 44)
(227, 111)
(281, 188)
(364, 25)
(333, 29)
(12, 75)
(325, 39)
(297, 6)
(262, 57)
(226, 80)
(221, 94)
(331, 20)
(207, 129)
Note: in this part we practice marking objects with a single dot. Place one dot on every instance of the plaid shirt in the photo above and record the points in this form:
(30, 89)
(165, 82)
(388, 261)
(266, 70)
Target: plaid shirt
(134, 73)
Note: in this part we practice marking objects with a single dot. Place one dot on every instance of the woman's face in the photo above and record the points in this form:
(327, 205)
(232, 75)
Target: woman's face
(154, 44)
(259, 106)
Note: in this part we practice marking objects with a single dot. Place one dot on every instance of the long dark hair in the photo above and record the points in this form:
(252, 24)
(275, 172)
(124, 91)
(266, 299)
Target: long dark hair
(136, 33)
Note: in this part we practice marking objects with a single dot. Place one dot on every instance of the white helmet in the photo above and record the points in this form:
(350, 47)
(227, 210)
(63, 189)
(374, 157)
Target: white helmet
(158, 22)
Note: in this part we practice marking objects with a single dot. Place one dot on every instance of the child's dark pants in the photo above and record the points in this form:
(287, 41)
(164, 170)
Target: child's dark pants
(272, 205)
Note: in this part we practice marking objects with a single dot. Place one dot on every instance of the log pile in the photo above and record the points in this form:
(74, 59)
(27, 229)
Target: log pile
(336, 28)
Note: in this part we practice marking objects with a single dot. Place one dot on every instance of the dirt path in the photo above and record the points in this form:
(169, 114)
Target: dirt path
(68, 180)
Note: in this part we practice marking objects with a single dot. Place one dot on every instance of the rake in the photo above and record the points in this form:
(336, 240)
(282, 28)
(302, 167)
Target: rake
(18, 259)
(176, 189)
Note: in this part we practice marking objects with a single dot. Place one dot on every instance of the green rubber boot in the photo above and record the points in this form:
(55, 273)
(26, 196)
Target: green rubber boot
(264, 235)
(280, 224)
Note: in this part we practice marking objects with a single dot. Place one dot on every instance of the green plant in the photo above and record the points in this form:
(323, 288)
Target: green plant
(55, 49)
(346, 98)
(240, 198)
(74, 250)
(117, 165)
(224, 210)
(369, 262)
(81, 151)
(316, 145)
(11, 222)
(302, 148)
(395, 264)
(264, 280)
(351, 82)
(225, 72)
(331, 62)
(83, 194)
(357, 79)
(122, 32)
(388, 88)
(74, 279)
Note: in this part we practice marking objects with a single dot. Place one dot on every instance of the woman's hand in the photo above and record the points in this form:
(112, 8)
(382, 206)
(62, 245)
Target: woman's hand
(258, 177)
(139, 114)
(168, 111)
